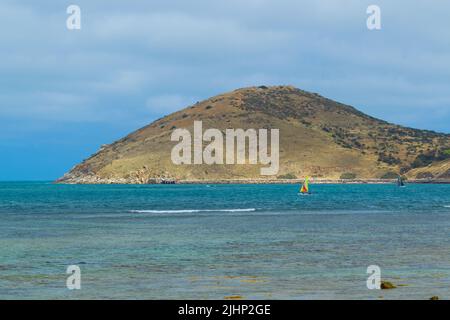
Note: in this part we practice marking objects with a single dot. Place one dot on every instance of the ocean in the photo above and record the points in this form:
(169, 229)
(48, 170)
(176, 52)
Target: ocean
(219, 241)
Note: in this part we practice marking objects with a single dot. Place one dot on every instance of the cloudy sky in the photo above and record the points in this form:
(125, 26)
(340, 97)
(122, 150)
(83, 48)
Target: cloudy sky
(64, 93)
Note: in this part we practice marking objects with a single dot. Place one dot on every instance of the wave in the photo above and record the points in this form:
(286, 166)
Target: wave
(194, 210)
(446, 206)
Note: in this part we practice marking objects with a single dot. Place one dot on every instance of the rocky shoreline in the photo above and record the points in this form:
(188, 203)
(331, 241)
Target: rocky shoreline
(93, 179)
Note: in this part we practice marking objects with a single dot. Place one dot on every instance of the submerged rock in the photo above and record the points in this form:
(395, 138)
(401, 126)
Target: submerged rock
(387, 285)
(233, 298)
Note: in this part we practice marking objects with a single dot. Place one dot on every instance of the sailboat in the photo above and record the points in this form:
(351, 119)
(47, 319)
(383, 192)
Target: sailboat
(304, 190)
(400, 182)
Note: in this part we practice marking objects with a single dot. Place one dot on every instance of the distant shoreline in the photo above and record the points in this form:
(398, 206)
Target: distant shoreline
(265, 181)
(313, 181)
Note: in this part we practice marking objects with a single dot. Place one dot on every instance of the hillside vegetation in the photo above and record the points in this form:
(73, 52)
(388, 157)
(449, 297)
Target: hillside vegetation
(318, 137)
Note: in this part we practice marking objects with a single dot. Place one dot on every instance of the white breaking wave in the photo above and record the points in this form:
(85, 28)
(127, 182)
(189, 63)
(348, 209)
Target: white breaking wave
(193, 211)
(447, 206)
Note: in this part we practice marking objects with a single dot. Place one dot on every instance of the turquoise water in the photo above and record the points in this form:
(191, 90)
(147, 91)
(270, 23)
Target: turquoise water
(210, 242)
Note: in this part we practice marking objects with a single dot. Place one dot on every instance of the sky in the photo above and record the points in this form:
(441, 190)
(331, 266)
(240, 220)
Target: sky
(64, 93)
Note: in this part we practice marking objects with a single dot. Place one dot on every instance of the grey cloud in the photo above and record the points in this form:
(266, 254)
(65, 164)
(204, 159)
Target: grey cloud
(132, 57)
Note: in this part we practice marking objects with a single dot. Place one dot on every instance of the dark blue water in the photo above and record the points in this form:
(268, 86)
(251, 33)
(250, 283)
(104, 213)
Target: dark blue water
(211, 242)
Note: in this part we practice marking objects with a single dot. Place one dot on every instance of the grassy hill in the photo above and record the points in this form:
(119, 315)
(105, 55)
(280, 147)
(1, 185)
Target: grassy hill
(318, 137)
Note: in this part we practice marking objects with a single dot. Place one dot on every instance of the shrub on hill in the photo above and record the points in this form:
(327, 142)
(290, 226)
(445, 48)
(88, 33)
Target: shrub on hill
(389, 159)
(425, 175)
(424, 159)
(389, 175)
(348, 175)
(287, 176)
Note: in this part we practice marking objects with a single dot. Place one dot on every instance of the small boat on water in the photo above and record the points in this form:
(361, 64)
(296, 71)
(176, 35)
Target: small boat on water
(304, 190)
(400, 182)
